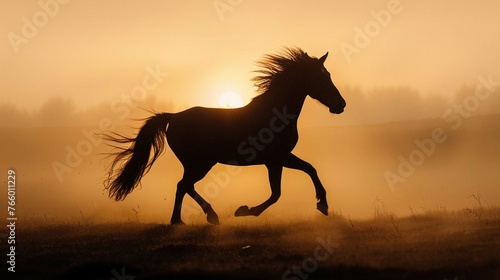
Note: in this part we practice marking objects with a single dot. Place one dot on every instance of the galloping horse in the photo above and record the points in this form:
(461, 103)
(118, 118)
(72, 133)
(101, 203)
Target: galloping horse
(262, 132)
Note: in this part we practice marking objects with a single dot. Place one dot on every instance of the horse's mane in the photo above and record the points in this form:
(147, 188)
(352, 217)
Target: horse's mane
(274, 64)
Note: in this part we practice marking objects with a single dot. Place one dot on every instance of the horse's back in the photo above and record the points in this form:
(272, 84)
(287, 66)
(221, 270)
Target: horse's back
(208, 133)
(230, 136)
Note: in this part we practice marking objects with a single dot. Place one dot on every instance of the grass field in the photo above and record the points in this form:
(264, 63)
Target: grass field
(434, 245)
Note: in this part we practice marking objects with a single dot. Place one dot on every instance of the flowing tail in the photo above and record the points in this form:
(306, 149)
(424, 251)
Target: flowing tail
(131, 164)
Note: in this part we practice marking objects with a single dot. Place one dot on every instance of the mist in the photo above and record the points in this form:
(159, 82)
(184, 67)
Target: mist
(428, 153)
(419, 131)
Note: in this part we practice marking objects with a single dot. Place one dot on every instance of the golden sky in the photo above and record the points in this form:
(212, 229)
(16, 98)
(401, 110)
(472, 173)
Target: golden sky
(96, 51)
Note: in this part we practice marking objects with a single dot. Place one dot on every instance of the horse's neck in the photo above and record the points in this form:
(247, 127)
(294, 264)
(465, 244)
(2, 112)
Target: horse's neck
(292, 102)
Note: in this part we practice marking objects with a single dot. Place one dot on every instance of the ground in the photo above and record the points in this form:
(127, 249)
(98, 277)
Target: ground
(436, 245)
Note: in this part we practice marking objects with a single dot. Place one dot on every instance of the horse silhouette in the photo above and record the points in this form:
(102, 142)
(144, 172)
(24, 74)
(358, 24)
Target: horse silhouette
(262, 132)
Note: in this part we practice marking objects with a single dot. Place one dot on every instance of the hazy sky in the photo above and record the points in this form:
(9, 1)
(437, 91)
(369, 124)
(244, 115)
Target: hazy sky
(87, 55)
(96, 51)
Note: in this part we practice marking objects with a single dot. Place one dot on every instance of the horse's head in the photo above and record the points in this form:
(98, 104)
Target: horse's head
(321, 87)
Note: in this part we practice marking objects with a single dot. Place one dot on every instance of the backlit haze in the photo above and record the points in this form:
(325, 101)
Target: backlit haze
(409, 71)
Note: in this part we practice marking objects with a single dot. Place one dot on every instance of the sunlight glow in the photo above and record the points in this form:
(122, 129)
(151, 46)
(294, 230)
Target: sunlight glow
(230, 100)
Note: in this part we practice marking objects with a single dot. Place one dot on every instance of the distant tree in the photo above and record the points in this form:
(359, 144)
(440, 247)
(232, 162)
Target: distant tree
(57, 111)
(11, 116)
(490, 105)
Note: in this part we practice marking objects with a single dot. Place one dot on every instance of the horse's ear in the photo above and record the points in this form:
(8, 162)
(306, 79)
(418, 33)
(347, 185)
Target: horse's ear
(323, 58)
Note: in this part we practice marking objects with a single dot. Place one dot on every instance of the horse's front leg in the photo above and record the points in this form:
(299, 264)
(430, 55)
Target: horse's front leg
(275, 171)
(292, 161)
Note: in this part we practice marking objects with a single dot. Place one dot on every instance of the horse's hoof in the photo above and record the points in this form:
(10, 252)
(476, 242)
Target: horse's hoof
(213, 218)
(242, 211)
(322, 208)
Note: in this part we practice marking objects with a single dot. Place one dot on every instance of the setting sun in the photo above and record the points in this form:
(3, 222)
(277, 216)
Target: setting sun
(230, 100)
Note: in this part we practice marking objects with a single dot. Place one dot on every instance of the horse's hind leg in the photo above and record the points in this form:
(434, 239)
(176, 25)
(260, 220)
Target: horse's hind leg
(182, 188)
(275, 172)
(192, 174)
(292, 161)
(212, 217)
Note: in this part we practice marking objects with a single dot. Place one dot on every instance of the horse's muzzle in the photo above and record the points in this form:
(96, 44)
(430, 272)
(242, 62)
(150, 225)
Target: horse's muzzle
(337, 110)
(337, 107)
